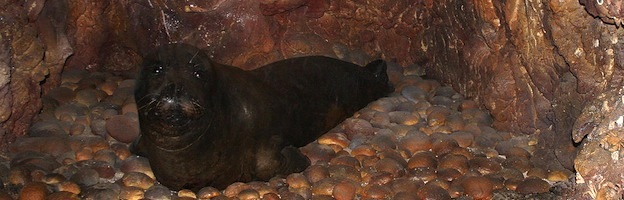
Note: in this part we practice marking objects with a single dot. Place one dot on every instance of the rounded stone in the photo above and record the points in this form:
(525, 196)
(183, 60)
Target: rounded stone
(365, 150)
(158, 192)
(34, 191)
(208, 192)
(537, 172)
(391, 166)
(458, 162)
(403, 117)
(334, 138)
(463, 138)
(484, 166)
(235, 188)
(297, 180)
(316, 173)
(432, 191)
(68, 186)
(557, 176)
(478, 187)
(416, 142)
(377, 192)
(121, 150)
(187, 193)
(448, 174)
(60, 195)
(122, 128)
(344, 191)
(357, 127)
(324, 187)
(248, 194)
(85, 177)
(533, 185)
(137, 164)
(137, 179)
(422, 159)
(131, 193)
(62, 95)
(444, 146)
(53, 178)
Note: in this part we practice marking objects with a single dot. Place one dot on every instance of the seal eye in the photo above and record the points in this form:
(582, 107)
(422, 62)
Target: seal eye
(157, 69)
(600, 2)
(198, 71)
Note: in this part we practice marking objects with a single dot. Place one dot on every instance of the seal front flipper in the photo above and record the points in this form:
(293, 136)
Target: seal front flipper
(272, 161)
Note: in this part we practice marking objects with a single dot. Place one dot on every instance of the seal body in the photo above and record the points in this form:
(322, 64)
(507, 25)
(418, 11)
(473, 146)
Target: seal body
(207, 124)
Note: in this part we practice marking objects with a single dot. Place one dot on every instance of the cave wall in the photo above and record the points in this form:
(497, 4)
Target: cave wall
(534, 65)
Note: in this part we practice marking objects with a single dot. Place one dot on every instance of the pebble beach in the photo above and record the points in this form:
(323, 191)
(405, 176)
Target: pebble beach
(423, 141)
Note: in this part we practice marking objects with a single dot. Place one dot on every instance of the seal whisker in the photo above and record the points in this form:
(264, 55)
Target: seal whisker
(191, 60)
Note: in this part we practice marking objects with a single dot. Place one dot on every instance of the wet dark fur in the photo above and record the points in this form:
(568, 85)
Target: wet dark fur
(208, 124)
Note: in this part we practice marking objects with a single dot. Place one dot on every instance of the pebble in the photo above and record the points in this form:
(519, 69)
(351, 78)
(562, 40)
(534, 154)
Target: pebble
(122, 128)
(89, 97)
(68, 186)
(235, 188)
(433, 192)
(187, 193)
(316, 173)
(137, 164)
(557, 176)
(248, 194)
(137, 179)
(484, 166)
(34, 191)
(532, 185)
(121, 150)
(344, 190)
(414, 94)
(102, 191)
(131, 193)
(403, 117)
(208, 192)
(158, 192)
(297, 180)
(357, 127)
(62, 95)
(53, 178)
(46, 128)
(377, 192)
(416, 142)
(324, 187)
(334, 138)
(60, 195)
(85, 177)
(478, 187)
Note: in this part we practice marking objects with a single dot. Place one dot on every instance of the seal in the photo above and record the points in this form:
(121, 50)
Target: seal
(208, 124)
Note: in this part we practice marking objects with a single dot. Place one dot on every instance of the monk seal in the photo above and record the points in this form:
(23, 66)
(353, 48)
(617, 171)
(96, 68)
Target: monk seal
(208, 124)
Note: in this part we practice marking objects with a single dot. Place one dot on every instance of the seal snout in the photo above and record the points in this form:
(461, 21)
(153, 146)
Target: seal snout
(177, 107)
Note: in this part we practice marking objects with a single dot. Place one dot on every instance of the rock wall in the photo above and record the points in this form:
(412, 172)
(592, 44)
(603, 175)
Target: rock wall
(534, 65)
(33, 50)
